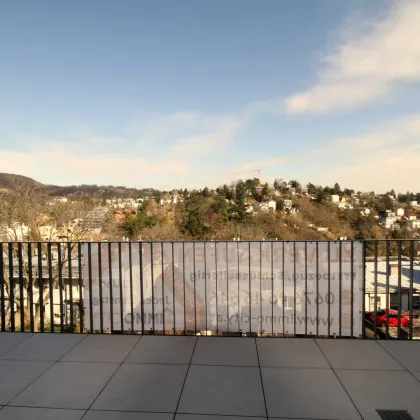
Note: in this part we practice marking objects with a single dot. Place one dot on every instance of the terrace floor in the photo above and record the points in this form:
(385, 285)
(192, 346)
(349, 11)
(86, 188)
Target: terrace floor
(107, 377)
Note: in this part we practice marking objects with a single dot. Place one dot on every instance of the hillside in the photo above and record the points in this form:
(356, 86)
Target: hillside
(10, 181)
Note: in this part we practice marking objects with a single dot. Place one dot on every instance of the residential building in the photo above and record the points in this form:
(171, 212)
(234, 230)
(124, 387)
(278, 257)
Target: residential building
(15, 232)
(413, 203)
(400, 212)
(344, 205)
(261, 207)
(335, 198)
(388, 220)
(272, 205)
(61, 199)
(414, 223)
(379, 276)
(365, 211)
(287, 204)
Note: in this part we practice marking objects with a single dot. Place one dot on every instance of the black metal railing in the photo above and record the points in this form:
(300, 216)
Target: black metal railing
(367, 288)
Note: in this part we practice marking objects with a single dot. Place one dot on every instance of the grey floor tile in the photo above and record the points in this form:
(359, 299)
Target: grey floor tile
(290, 352)
(306, 393)
(17, 375)
(160, 349)
(357, 354)
(231, 351)
(223, 390)
(44, 346)
(143, 388)
(67, 385)
(9, 340)
(209, 417)
(406, 352)
(121, 415)
(372, 390)
(102, 348)
(416, 374)
(30, 413)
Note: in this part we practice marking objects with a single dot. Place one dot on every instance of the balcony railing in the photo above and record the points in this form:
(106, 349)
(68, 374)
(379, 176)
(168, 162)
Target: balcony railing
(358, 289)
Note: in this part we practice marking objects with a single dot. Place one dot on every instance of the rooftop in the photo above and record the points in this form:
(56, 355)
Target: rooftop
(379, 276)
(75, 376)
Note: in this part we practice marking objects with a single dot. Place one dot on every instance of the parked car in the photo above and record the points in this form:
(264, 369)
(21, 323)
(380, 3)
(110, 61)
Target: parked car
(392, 318)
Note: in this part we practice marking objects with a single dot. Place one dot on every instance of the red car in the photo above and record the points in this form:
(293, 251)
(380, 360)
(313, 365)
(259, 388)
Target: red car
(392, 318)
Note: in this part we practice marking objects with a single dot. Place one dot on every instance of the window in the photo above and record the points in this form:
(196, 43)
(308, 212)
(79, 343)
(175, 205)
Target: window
(372, 303)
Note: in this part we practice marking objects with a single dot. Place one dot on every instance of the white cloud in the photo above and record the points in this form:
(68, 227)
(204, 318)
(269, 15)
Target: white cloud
(368, 60)
(150, 159)
(385, 157)
(219, 139)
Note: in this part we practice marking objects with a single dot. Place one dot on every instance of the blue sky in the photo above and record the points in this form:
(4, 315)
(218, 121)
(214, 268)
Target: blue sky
(172, 94)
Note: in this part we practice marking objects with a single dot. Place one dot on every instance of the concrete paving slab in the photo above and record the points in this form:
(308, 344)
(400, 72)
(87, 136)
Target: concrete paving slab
(102, 348)
(372, 390)
(67, 385)
(152, 387)
(31, 413)
(124, 415)
(17, 375)
(290, 352)
(357, 354)
(232, 351)
(163, 349)
(9, 340)
(44, 346)
(209, 417)
(223, 390)
(406, 352)
(306, 393)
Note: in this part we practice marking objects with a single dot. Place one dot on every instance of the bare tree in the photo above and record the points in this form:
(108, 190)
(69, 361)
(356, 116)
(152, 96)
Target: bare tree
(26, 215)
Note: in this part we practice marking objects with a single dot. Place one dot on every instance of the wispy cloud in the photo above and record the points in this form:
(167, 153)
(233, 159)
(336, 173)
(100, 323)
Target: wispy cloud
(367, 61)
(150, 157)
(380, 159)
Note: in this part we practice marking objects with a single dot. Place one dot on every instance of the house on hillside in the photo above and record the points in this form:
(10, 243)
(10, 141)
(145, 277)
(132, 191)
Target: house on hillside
(61, 199)
(400, 212)
(272, 205)
(364, 211)
(335, 198)
(388, 220)
(345, 205)
(14, 232)
(287, 204)
(414, 224)
(413, 203)
(261, 207)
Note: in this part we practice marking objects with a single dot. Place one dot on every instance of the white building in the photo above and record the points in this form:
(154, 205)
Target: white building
(15, 232)
(344, 205)
(287, 204)
(261, 207)
(400, 212)
(335, 198)
(380, 276)
(61, 199)
(388, 220)
(272, 205)
(414, 223)
(413, 203)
